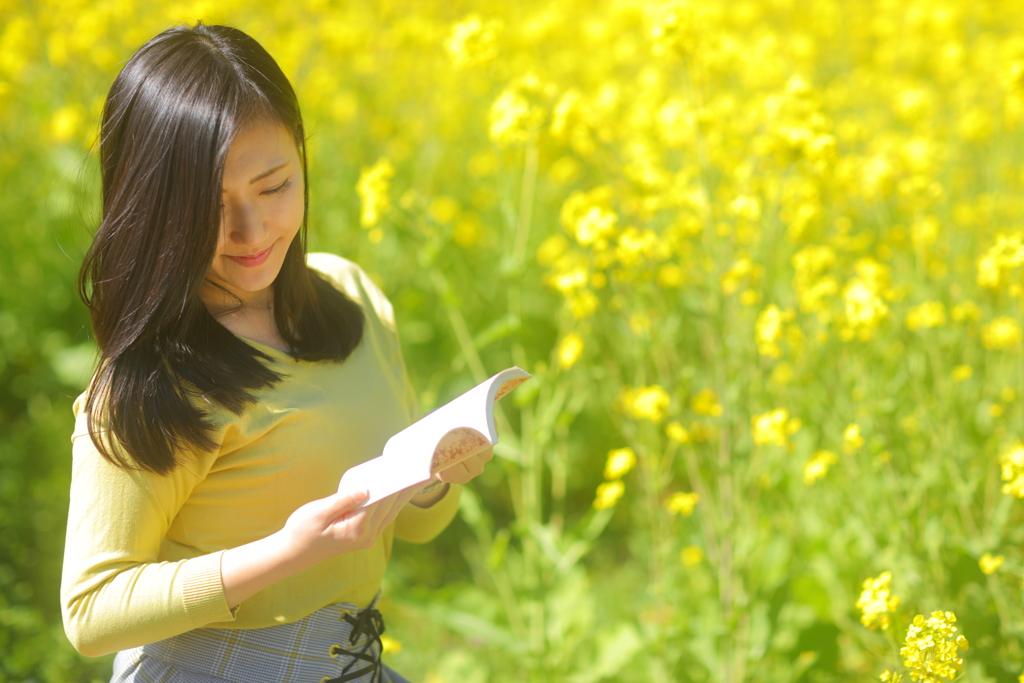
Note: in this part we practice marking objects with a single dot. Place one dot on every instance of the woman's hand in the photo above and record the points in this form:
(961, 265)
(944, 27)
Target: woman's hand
(467, 469)
(336, 524)
(460, 473)
(315, 532)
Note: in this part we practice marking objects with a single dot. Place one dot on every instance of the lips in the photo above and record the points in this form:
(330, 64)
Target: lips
(254, 260)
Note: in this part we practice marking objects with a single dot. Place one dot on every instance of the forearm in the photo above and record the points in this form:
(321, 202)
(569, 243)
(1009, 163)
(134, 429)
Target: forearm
(248, 569)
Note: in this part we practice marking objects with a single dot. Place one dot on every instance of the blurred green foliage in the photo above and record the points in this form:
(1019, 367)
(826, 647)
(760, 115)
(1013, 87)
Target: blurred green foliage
(772, 248)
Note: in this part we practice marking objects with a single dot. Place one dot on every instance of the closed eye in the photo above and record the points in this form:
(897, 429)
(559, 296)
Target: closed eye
(279, 189)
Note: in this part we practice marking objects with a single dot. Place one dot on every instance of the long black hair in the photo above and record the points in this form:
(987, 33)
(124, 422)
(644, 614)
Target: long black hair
(168, 121)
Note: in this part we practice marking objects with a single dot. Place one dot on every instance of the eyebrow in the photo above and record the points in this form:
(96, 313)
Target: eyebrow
(271, 171)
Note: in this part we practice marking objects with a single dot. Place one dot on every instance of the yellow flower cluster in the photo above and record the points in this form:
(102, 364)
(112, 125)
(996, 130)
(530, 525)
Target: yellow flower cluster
(620, 461)
(473, 41)
(681, 503)
(569, 350)
(677, 432)
(1002, 333)
(608, 494)
(706, 403)
(768, 330)
(518, 112)
(644, 403)
(817, 467)
(926, 315)
(876, 601)
(813, 285)
(1012, 471)
(931, 649)
(372, 188)
(962, 373)
(990, 564)
(691, 556)
(774, 427)
(617, 465)
(865, 308)
(1005, 255)
(852, 439)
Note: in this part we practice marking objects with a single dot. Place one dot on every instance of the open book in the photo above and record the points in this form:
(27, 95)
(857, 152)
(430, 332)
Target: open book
(454, 432)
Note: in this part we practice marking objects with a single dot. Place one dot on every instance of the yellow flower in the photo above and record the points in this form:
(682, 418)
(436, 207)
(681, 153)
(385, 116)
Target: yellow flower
(390, 646)
(930, 649)
(864, 309)
(551, 248)
(1012, 470)
(817, 467)
(1002, 333)
(706, 403)
(890, 677)
(66, 123)
(773, 428)
(852, 440)
(1006, 254)
(644, 403)
(569, 350)
(473, 41)
(966, 311)
(582, 304)
(691, 556)
(620, 462)
(811, 286)
(589, 216)
(373, 186)
(510, 115)
(682, 503)
(608, 494)
(962, 373)
(768, 330)
(676, 30)
(929, 314)
(742, 268)
(677, 432)
(444, 209)
(989, 563)
(515, 114)
(876, 601)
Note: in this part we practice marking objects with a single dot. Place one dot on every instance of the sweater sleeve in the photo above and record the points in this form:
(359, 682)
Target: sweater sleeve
(115, 592)
(422, 525)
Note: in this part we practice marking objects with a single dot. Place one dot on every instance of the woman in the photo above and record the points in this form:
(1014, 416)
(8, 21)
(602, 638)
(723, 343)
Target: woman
(235, 386)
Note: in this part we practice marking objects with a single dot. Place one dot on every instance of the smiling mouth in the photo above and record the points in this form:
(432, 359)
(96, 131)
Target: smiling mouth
(252, 261)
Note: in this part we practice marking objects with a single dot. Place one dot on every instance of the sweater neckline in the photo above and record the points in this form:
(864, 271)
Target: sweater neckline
(267, 349)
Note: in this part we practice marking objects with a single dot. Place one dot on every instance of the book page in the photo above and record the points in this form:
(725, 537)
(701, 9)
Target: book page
(445, 437)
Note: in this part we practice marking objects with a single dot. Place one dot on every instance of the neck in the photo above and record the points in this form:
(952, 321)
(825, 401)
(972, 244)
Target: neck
(220, 300)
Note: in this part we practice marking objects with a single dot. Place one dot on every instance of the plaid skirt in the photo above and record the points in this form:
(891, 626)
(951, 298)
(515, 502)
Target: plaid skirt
(337, 644)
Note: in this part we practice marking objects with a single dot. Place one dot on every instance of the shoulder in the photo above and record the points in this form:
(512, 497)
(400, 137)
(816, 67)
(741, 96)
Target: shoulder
(355, 283)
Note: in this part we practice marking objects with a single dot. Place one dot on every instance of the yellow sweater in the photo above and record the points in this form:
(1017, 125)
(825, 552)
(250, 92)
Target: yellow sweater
(142, 556)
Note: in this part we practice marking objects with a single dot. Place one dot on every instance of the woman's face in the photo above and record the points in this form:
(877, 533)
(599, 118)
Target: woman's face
(262, 211)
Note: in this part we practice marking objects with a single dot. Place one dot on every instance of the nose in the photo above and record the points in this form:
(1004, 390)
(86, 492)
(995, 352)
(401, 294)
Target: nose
(242, 223)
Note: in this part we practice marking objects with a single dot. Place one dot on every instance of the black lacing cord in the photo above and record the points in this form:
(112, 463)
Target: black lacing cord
(369, 623)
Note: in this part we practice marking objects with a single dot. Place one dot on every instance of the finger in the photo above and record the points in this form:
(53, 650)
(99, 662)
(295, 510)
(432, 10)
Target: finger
(345, 504)
(388, 509)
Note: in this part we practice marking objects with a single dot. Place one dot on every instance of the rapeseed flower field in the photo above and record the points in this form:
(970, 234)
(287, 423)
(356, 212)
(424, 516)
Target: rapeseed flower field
(763, 257)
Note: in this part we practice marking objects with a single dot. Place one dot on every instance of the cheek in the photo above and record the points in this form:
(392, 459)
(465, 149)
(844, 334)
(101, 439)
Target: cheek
(290, 212)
